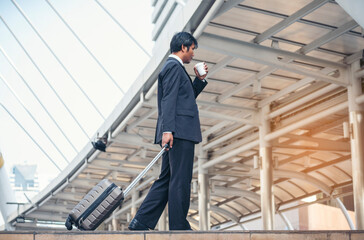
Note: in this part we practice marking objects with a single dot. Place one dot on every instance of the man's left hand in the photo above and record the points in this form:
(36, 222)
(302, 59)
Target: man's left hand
(203, 76)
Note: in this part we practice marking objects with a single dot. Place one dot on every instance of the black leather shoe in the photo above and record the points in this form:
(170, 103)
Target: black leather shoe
(135, 225)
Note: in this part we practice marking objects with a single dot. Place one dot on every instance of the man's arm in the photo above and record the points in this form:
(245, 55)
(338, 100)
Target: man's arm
(170, 86)
(199, 83)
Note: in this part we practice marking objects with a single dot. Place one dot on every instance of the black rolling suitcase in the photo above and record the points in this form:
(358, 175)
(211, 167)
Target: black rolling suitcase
(101, 201)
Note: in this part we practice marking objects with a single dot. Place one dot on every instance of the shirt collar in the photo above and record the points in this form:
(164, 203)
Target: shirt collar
(176, 57)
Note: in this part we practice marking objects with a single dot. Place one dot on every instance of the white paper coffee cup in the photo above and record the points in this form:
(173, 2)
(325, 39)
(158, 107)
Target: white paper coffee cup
(201, 68)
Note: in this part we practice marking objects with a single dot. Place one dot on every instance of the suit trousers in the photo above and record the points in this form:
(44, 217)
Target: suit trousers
(173, 186)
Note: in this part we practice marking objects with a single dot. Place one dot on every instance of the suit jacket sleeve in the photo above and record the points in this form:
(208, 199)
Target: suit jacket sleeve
(198, 86)
(170, 86)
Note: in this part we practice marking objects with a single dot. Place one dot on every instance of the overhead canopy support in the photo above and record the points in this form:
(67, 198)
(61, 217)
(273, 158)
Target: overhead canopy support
(356, 116)
(289, 20)
(266, 172)
(203, 192)
(269, 56)
(7, 194)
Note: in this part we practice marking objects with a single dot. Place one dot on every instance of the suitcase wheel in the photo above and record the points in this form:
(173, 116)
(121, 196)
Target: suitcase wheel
(69, 223)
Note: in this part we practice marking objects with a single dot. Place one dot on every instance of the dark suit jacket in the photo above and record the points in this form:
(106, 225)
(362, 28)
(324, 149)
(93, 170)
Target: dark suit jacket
(177, 109)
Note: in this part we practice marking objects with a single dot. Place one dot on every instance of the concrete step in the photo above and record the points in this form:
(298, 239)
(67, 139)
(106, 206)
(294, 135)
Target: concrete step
(185, 235)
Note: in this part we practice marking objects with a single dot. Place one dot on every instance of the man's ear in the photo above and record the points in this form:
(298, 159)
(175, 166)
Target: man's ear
(184, 48)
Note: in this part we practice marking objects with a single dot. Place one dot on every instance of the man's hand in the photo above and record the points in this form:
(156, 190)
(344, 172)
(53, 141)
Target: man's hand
(167, 138)
(203, 76)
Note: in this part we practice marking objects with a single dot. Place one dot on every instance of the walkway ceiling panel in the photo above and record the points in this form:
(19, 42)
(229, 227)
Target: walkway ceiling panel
(346, 44)
(330, 13)
(336, 174)
(304, 185)
(278, 6)
(302, 33)
(282, 194)
(345, 166)
(327, 56)
(276, 83)
(230, 101)
(230, 32)
(294, 189)
(248, 20)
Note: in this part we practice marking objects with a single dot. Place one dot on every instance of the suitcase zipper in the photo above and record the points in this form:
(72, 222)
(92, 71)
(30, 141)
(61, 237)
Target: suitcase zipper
(95, 204)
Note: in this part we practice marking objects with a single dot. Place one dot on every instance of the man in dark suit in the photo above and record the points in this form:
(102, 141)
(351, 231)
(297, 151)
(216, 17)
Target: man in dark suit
(178, 125)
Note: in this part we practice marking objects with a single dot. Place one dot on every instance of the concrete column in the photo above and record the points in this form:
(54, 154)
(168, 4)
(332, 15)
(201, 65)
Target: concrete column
(356, 116)
(7, 195)
(162, 223)
(266, 172)
(114, 223)
(203, 191)
(134, 198)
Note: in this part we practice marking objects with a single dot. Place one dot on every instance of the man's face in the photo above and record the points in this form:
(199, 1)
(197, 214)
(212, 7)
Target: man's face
(188, 54)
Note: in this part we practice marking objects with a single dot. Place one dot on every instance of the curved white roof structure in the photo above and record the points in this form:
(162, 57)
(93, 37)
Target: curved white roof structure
(281, 115)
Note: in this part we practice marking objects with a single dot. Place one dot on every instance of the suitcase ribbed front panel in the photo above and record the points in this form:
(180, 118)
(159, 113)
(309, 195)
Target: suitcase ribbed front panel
(102, 209)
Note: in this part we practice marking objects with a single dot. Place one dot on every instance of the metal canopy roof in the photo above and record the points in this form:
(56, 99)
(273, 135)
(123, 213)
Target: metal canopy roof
(290, 55)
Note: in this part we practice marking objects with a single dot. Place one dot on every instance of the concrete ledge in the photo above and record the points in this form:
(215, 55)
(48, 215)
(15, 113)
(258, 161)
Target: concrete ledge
(182, 235)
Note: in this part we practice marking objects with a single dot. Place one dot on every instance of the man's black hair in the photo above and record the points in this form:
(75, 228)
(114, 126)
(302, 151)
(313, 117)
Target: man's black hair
(182, 38)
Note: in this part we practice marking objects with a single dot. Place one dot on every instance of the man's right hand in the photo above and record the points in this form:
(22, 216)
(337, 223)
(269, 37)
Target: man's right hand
(167, 138)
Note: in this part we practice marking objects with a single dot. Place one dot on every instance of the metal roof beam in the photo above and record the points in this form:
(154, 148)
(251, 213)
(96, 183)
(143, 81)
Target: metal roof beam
(133, 139)
(301, 83)
(329, 36)
(302, 20)
(46, 216)
(215, 115)
(231, 91)
(341, 147)
(251, 51)
(221, 64)
(269, 56)
(226, 137)
(76, 197)
(223, 191)
(322, 143)
(296, 175)
(227, 6)
(289, 20)
(306, 121)
(293, 158)
(55, 208)
(305, 177)
(215, 128)
(147, 115)
(226, 106)
(300, 102)
(276, 134)
(234, 144)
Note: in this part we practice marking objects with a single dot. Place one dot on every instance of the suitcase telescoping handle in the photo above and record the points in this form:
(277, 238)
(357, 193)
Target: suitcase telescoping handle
(137, 179)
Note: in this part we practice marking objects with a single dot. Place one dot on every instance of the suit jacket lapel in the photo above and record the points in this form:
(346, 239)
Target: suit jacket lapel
(187, 75)
(184, 69)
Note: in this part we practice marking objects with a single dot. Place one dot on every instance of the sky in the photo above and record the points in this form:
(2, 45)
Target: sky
(63, 74)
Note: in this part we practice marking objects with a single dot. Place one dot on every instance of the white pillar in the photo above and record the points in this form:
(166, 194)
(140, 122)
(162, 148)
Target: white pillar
(134, 198)
(7, 194)
(356, 113)
(266, 172)
(203, 192)
(114, 223)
